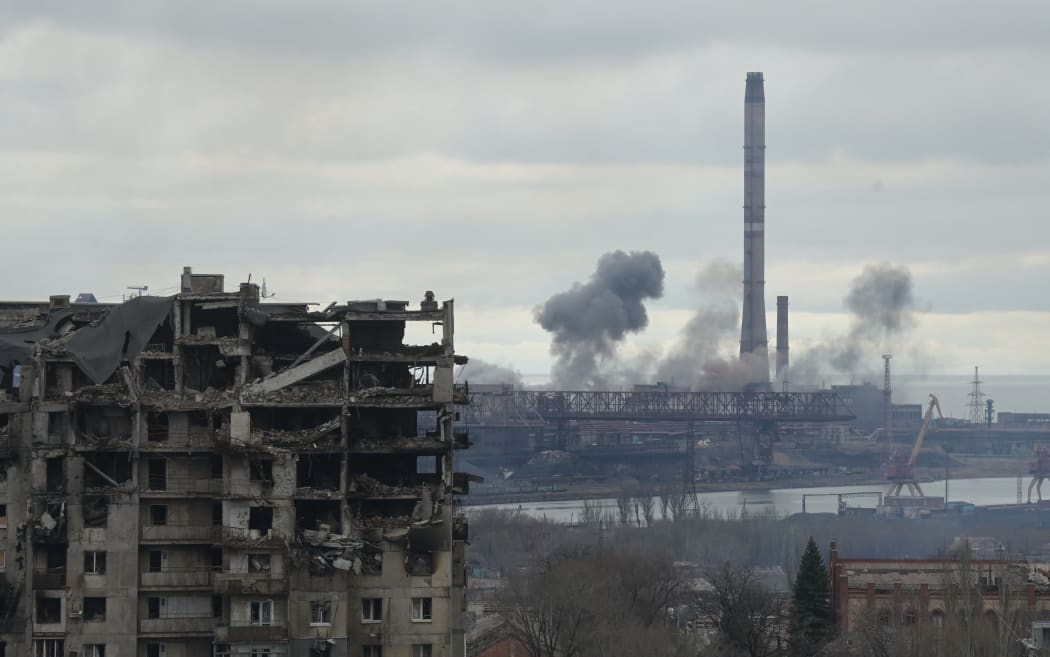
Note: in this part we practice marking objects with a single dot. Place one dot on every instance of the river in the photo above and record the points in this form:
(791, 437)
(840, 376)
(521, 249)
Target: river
(784, 501)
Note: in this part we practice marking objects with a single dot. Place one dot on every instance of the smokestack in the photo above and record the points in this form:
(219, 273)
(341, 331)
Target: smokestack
(782, 339)
(753, 324)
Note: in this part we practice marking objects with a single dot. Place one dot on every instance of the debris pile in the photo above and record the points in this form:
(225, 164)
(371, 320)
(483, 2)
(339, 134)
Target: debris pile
(325, 551)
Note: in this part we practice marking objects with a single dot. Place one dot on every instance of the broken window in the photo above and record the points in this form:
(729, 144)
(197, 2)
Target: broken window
(222, 322)
(159, 373)
(153, 606)
(103, 424)
(56, 558)
(56, 475)
(320, 612)
(204, 367)
(47, 648)
(320, 471)
(156, 560)
(57, 427)
(94, 609)
(48, 610)
(158, 474)
(421, 610)
(157, 650)
(157, 427)
(258, 563)
(260, 612)
(158, 514)
(420, 564)
(260, 518)
(94, 563)
(261, 470)
(106, 469)
(371, 610)
(96, 510)
(313, 514)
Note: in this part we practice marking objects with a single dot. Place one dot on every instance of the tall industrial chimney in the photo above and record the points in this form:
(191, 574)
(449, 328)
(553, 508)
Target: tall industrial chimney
(753, 325)
(782, 340)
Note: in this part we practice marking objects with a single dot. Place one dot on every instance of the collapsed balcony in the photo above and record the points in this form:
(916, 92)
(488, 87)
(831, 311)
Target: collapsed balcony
(101, 427)
(320, 545)
(395, 476)
(296, 428)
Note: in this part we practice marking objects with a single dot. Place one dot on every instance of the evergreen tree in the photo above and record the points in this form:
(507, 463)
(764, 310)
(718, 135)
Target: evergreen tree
(812, 620)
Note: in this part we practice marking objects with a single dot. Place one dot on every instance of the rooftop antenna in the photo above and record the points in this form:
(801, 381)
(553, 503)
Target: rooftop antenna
(138, 290)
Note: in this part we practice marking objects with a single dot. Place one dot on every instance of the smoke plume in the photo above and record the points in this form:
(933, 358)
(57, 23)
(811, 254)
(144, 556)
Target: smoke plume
(698, 359)
(881, 302)
(482, 372)
(882, 308)
(589, 320)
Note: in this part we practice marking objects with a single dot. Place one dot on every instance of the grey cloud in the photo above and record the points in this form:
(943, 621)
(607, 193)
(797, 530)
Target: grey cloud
(580, 28)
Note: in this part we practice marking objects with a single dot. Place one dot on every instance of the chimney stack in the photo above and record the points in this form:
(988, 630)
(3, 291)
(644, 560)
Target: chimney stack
(753, 323)
(782, 339)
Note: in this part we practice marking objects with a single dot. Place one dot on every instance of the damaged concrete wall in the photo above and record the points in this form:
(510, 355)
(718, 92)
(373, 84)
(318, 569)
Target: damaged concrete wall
(243, 428)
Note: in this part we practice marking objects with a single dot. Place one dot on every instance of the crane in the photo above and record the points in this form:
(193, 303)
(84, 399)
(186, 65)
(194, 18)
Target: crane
(902, 473)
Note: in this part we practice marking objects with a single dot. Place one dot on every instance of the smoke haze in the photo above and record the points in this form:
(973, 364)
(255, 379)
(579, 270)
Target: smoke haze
(882, 306)
(589, 320)
(484, 372)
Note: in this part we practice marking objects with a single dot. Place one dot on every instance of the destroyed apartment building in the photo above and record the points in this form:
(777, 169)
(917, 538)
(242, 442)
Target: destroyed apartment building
(212, 475)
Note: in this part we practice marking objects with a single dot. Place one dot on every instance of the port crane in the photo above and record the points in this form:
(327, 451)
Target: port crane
(901, 473)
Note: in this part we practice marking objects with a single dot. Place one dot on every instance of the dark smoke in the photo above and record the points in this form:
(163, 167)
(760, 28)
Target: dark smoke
(589, 320)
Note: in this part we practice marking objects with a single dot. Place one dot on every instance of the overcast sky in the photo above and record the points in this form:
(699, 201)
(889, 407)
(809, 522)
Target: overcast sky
(492, 151)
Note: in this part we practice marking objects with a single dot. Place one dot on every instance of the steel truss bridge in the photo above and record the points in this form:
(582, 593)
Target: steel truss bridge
(756, 415)
(525, 407)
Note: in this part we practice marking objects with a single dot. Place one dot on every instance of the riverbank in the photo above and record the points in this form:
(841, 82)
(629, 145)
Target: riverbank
(962, 467)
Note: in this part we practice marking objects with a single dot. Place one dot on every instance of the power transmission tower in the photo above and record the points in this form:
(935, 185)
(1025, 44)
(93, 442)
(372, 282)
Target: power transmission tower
(976, 403)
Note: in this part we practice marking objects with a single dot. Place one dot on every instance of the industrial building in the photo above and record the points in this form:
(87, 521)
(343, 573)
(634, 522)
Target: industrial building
(212, 475)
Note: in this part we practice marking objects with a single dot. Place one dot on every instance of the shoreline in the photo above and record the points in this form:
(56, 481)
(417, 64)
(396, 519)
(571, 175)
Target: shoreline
(598, 491)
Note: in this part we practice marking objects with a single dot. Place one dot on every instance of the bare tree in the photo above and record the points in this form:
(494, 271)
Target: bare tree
(623, 507)
(648, 508)
(604, 603)
(747, 614)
